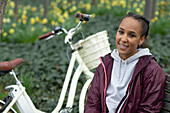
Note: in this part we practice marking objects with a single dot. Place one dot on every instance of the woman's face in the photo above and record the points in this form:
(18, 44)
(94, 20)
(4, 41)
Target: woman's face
(128, 37)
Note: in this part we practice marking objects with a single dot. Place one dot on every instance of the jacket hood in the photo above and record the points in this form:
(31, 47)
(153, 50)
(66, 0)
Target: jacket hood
(140, 53)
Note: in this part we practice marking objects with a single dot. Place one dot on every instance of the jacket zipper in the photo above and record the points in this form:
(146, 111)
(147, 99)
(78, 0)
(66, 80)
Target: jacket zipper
(123, 103)
(105, 84)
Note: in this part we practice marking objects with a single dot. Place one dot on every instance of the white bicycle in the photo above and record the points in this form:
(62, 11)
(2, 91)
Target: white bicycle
(86, 52)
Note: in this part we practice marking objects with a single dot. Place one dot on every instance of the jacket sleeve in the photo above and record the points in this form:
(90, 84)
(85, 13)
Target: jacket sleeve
(93, 104)
(153, 90)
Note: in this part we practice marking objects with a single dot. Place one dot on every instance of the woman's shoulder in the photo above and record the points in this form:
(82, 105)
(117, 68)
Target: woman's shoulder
(106, 60)
(153, 69)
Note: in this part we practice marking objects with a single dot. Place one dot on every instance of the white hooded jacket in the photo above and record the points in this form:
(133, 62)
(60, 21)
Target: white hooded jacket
(121, 75)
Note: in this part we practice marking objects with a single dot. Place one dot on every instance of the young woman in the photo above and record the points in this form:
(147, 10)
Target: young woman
(128, 80)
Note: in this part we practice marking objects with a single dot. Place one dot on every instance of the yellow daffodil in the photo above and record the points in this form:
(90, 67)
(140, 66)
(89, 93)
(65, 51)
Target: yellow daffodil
(24, 12)
(153, 20)
(32, 20)
(156, 13)
(123, 3)
(37, 19)
(44, 29)
(24, 21)
(24, 17)
(72, 9)
(11, 31)
(61, 19)
(143, 1)
(53, 3)
(58, 13)
(135, 5)
(32, 28)
(107, 2)
(34, 9)
(12, 4)
(65, 15)
(69, 4)
(52, 22)
(138, 10)
(141, 5)
(88, 6)
(65, 2)
(42, 10)
(163, 2)
(114, 3)
(4, 21)
(19, 20)
(28, 7)
(11, 12)
(84, 22)
(73, 2)
(44, 21)
(156, 18)
(93, 15)
(102, 1)
(129, 6)
(14, 25)
(4, 34)
(65, 7)
(56, 23)
(141, 13)
(108, 7)
(77, 20)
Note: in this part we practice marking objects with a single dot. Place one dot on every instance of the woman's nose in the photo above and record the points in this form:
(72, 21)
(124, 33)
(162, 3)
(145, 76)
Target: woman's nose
(124, 38)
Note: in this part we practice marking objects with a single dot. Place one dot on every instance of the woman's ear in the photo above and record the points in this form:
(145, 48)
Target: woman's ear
(142, 39)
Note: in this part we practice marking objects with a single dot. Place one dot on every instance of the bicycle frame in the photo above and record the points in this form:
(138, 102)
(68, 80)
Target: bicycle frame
(24, 103)
(81, 68)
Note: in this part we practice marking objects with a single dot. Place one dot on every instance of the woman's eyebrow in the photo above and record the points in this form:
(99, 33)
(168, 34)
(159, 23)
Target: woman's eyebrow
(121, 28)
(133, 32)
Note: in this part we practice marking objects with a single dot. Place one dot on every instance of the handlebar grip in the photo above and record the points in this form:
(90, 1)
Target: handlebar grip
(45, 35)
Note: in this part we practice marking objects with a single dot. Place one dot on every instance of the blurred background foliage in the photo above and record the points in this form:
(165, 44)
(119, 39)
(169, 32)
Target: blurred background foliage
(45, 62)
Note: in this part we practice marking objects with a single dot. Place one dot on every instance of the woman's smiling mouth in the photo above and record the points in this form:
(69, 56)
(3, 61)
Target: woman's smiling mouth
(121, 46)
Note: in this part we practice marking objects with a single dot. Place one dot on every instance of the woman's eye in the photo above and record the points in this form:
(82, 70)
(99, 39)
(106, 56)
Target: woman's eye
(121, 32)
(131, 35)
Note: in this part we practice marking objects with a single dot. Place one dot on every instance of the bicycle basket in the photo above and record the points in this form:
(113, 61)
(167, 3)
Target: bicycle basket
(94, 46)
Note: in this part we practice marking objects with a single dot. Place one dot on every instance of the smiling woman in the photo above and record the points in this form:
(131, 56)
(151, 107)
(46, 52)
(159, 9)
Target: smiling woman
(129, 37)
(128, 80)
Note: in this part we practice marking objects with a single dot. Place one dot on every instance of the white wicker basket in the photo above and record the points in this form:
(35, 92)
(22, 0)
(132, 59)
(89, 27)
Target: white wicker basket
(94, 46)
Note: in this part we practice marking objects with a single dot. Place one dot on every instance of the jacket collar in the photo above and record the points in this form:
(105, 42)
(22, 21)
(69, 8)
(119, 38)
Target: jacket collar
(142, 63)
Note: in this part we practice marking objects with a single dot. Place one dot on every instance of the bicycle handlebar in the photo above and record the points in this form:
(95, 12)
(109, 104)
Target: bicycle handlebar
(45, 35)
(58, 30)
(85, 17)
(54, 32)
